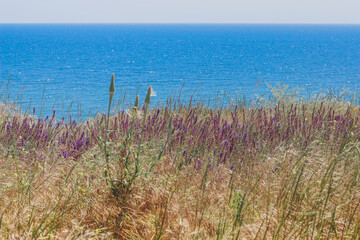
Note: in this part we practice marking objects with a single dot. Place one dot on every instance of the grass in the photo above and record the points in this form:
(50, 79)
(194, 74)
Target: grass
(283, 168)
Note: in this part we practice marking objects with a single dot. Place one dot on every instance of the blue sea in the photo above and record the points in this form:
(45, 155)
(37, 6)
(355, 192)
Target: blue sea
(67, 65)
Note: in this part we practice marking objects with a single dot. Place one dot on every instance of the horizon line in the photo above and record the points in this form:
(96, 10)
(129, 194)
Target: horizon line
(200, 23)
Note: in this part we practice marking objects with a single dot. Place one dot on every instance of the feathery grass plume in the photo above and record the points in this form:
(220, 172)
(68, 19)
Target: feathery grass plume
(136, 105)
(111, 94)
(112, 85)
(147, 99)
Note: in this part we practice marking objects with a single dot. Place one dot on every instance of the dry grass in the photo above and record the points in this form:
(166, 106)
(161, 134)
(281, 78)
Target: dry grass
(71, 200)
(281, 191)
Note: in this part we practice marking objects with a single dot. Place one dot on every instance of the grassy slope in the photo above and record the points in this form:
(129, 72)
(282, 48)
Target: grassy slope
(280, 171)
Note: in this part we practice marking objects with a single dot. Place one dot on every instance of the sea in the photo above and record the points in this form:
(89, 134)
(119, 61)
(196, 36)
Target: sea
(68, 67)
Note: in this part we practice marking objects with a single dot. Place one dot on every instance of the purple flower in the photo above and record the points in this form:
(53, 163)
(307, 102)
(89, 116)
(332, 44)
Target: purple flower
(198, 165)
(79, 144)
(184, 152)
(64, 154)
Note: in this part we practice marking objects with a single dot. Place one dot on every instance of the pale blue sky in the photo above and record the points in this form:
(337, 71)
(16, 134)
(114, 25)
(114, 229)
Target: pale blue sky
(180, 11)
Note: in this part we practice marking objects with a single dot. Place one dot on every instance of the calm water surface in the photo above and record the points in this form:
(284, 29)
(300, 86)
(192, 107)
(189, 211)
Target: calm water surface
(75, 62)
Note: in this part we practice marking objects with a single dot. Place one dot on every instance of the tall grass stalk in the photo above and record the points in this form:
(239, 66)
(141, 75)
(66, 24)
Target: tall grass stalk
(285, 167)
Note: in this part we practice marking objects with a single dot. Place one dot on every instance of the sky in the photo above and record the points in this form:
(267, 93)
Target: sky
(180, 11)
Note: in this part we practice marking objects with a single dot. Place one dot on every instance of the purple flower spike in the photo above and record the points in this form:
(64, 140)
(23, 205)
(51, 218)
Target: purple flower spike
(79, 144)
(65, 154)
(198, 165)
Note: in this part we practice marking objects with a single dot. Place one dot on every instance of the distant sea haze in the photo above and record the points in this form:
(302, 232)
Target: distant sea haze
(74, 62)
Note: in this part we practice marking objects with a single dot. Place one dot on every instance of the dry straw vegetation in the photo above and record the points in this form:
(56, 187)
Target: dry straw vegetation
(283, 168)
